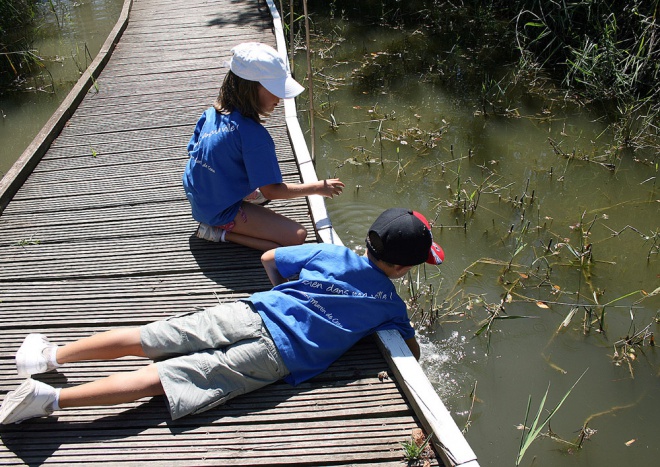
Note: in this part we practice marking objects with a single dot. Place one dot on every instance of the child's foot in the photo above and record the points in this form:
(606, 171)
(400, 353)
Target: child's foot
(31, 399)
(210, 233)
(36, 355)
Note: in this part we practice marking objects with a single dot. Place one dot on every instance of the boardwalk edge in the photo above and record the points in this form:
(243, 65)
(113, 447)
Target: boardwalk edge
(23, 167)
(434, 416)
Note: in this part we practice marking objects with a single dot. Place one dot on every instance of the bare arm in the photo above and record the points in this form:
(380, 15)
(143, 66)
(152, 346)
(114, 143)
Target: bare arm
(414, 347)
(268, 260)
(328, 188)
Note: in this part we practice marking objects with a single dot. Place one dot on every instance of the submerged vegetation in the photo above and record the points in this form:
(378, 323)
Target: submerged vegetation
(607, 52)
(604, 54)
(496, 55)
(22, 24)
(16, 55)
(555, 259)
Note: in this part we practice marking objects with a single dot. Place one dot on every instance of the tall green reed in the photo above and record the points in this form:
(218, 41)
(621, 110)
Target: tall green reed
(16, 55)
(534, 431)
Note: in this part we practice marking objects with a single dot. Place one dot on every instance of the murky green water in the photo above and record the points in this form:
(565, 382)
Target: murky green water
(67, 42)
(499, 193)
(418, 144)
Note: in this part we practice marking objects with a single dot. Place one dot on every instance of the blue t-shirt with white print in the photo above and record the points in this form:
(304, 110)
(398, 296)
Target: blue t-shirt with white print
(338, 298)
(230, 157)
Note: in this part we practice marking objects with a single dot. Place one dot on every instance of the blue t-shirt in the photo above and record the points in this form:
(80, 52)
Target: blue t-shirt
(230, 157)
(339, 298)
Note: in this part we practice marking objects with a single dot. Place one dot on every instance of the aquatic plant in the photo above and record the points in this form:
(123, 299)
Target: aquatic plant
(552, 253)
(15, 52)
(606, 52)
(626, 349)
(21, 66)
(473, 398)
(601, 54)
(530, 434)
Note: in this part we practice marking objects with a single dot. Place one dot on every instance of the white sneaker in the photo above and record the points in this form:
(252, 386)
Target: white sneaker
(34, 355)
(210, 233)
(31, 399)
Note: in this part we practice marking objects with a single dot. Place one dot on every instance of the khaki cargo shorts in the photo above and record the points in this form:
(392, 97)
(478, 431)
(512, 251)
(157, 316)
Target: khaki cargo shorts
(208, 357)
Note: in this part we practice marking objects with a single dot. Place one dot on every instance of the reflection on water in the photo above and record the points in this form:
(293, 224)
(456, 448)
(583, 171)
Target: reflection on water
(534, 223)
(67, 42)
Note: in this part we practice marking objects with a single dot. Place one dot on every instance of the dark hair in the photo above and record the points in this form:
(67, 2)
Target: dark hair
(239, 94)
(375, 248)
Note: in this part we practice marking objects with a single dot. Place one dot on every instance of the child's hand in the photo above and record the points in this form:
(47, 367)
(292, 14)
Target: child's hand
(332, 187)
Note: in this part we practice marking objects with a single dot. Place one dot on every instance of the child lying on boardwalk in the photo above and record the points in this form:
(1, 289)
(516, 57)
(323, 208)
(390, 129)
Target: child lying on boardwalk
(292, 332)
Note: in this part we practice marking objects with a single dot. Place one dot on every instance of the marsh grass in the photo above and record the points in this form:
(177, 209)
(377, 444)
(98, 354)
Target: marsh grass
(16, 64)
(598, 54)
(604, 53)
(22, 67)
(530, 434)
(416, 450)
(16, 54)
(549, 259)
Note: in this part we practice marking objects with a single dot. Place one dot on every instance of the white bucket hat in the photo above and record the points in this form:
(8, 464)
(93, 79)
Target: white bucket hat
(255, 61)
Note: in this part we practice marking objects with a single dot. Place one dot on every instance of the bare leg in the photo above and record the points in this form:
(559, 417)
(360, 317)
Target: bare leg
(251, 242)
(114, 389)
(265, 229)
(103, 346)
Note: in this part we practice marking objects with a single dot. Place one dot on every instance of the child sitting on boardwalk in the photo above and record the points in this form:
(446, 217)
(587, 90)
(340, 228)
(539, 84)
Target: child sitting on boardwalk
(294, 331)
(233, 167)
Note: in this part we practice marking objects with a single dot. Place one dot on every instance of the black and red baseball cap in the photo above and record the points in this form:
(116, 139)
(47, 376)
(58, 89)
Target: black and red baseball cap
(402, 236)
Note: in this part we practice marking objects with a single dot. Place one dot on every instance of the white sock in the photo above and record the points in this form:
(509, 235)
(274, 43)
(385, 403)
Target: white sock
(51, 356)
(56, 402)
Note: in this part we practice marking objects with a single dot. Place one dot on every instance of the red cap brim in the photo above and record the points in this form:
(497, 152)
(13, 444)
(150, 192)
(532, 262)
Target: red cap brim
(436, 254)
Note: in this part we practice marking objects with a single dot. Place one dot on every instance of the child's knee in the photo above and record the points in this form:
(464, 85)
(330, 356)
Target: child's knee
(302, 235)
(297, 236)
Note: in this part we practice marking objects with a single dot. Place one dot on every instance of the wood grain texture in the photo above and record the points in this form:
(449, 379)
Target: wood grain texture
(97, 233)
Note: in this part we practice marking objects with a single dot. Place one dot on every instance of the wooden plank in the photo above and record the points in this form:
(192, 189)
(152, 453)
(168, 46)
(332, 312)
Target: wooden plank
(31, 223)
(100, 236)
(175, 137)
(433, 415)
(315, 423)
(78, 201)
(17, 174)
(453, 447)
(62, 227)
(346, 442)
(54, 182)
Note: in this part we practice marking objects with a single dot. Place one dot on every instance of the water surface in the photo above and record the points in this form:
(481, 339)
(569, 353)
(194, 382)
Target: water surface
(67, 41)
(415, 142)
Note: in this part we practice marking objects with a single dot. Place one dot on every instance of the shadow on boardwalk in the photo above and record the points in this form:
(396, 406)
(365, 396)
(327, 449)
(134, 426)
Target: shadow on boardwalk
(100, 236)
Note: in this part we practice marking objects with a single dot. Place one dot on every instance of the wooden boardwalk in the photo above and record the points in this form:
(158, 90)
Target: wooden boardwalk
(100, 236)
